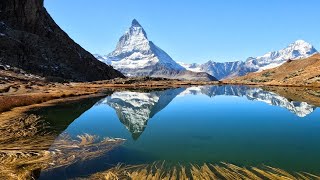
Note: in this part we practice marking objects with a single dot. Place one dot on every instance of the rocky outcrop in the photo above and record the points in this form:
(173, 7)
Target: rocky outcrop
(32, 41)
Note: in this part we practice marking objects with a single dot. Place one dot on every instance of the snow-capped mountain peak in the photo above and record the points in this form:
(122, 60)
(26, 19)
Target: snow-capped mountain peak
(135, 55)
(134, 51)
(298, 44)
(303, 48)
(134, 42)
(297, 50)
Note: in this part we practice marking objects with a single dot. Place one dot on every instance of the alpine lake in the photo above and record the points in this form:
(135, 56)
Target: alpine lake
(227, 125)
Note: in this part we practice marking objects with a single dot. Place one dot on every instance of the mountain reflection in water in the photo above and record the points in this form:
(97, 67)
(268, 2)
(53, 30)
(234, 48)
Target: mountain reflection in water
(134, 109)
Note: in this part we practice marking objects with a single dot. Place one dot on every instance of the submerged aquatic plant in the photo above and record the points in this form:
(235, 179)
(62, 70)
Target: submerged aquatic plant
(226, 171)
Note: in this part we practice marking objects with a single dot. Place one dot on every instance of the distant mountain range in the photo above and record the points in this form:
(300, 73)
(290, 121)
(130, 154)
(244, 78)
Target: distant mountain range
(135, 55)
(297, 50)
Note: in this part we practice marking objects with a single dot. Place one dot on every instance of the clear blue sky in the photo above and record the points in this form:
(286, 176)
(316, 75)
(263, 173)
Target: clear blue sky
(190, 30)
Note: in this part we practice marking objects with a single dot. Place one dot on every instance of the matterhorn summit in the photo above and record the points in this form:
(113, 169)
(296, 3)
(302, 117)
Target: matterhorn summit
(135, 55)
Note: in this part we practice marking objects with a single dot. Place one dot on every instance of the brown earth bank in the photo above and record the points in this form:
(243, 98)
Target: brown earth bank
(294, 73)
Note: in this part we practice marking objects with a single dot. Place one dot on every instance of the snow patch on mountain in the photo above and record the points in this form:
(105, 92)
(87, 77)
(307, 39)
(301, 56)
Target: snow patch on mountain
(191, 67)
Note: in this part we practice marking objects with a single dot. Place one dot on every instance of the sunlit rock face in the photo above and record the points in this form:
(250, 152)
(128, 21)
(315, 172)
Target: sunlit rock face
(301, 109)
(134, 109)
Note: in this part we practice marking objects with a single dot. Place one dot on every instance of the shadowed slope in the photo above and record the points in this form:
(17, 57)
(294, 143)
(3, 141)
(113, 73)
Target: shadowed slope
(32, 41)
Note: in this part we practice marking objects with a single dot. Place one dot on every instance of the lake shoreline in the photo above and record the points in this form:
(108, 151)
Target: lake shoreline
(25, 96)
(20, 94)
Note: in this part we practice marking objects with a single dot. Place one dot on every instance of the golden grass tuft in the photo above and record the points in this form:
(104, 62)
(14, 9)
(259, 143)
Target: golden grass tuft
(226, 171)
(18, 162)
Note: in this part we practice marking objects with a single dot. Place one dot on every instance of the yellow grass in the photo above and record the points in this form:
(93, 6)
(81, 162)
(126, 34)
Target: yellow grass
(18, 162)
(226, 171)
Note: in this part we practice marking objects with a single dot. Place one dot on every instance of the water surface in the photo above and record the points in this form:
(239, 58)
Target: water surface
(234, 124)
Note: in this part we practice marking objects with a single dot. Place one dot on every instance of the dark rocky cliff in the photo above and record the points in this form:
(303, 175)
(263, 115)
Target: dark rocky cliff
(32, 41)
